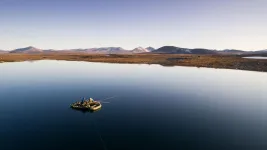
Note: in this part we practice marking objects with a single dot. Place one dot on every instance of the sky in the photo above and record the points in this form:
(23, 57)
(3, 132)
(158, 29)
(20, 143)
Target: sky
(66, 24)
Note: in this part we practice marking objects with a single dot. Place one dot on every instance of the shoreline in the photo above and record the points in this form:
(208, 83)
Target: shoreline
(207, 61)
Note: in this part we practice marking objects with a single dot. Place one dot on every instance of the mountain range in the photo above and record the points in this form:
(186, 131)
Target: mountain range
(119, 50)
(101, 50)
(178, 50)
(2, 51)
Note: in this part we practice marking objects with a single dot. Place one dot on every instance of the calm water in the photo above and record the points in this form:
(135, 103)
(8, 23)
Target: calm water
(155, 107)
(255, 57)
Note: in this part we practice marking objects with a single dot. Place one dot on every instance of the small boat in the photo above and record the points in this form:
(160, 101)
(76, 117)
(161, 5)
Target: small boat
(89, 104)
(95, 106)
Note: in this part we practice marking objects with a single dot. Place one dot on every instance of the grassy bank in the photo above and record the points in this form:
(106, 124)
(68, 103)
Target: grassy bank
(210, 61)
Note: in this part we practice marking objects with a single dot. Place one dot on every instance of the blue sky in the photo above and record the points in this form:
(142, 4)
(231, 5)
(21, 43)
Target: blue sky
(61, 24)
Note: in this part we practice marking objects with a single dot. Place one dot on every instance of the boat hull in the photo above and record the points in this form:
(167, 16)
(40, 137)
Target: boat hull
(93, 106)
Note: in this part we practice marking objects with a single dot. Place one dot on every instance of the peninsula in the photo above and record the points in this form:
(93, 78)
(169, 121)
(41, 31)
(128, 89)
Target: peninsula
(166, 56)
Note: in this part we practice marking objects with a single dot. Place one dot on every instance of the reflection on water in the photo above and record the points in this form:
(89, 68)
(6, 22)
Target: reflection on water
(255, 57)
(155, 107)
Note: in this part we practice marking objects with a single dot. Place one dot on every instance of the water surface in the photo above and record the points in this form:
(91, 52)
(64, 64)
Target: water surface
(155, 107)
(255, 57)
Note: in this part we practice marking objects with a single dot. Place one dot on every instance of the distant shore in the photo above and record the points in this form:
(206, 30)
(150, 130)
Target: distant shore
(209, 61)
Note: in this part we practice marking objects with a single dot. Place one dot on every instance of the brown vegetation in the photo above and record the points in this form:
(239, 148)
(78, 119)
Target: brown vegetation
(210, 61)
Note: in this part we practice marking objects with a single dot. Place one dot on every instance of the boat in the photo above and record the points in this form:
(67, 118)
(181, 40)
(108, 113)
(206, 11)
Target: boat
(95, 106)
(89, 104)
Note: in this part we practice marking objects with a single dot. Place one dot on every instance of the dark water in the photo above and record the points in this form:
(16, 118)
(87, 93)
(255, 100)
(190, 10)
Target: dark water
(156, 108)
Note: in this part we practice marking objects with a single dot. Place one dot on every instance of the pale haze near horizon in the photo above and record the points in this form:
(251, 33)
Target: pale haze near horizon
(67, 24)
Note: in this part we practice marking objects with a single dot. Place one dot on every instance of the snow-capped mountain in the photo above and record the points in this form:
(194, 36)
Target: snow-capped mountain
(140, 50)
(150, 49)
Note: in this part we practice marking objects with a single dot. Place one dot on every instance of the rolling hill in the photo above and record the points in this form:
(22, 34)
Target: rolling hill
(28, 50)
(178, 50)
(3, 51)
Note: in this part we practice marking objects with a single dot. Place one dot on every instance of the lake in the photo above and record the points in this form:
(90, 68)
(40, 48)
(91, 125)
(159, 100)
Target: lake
(153, 108)
(255, 57)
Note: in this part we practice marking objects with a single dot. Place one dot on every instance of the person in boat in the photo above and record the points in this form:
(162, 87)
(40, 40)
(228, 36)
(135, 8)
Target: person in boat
(91, 100)
(82, 100)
